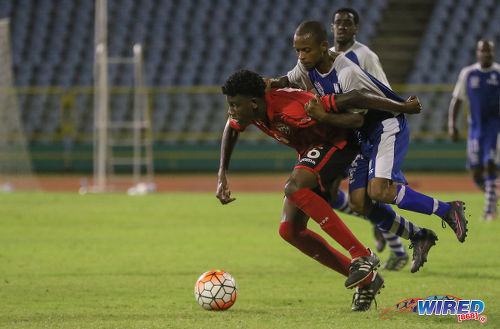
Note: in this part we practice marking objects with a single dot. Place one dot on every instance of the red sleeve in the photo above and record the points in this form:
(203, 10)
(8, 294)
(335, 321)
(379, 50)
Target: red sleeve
(329, 103)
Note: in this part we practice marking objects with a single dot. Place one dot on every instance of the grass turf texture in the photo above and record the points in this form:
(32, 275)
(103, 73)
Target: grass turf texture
(115, 261)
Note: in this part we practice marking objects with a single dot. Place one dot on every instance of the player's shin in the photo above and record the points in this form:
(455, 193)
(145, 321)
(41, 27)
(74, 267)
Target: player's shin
(491, 197)
(319, 210)
(383, 215)
(409, 199)
(314, 246)
(342, 204)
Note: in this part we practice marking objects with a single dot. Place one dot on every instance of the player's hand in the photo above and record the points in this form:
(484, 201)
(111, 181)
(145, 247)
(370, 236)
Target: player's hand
(314, 109)
(268, 84)
(413, 105)
(223, 192)
(453, 132)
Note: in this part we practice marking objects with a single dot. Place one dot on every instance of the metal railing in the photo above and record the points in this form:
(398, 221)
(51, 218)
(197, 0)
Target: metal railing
(190, 114)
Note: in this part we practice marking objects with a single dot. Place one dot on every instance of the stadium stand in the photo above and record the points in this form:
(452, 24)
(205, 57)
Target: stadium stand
(191, 42)
(448, 45)
(197, 42)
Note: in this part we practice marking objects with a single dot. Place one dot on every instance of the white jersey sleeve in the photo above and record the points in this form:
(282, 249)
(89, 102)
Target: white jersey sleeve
(460, 88)
(299, 77)
(351, 77)
(368, 61)
(371, 64)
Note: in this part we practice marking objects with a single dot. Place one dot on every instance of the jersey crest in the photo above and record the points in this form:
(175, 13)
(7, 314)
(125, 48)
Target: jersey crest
(492, 80)
(474, 82)
(319, 88)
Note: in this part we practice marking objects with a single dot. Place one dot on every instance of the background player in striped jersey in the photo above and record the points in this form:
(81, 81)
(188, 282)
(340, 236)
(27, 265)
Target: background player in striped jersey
(324, 154)
(345, 26)
(480, 84)
(384, 140)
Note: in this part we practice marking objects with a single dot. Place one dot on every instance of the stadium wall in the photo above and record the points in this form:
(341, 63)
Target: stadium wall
(247, 157)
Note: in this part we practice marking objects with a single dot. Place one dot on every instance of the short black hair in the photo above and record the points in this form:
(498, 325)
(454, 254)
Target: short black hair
(244, 82)
(348, 10)
(488, 41)
(315, 28)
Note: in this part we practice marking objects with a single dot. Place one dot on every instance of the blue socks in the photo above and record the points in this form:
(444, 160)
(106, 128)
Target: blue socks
(384, 216)
(342, 203)
(409, 199)
(491, 196)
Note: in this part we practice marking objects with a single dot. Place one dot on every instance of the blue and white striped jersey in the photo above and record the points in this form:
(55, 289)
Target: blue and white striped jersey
(345, 76)
(367, 60)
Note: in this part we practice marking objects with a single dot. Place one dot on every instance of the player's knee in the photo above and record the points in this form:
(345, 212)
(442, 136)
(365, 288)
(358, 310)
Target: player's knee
(300, 178)
(358, 206)
(291, 186)
(375, 193)
(478, 174)
(380, 192)
(491, 168)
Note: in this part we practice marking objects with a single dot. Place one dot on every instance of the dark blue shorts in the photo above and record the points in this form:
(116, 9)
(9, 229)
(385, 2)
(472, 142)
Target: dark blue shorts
(483, 144)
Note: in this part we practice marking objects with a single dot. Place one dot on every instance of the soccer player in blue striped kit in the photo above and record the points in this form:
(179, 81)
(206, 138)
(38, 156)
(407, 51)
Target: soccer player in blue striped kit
(480, 83)
(375, 175)
(345, 25)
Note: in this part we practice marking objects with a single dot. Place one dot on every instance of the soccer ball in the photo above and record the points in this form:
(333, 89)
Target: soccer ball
(215, 290)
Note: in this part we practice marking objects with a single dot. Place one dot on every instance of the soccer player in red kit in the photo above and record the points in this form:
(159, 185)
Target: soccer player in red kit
(324, 154)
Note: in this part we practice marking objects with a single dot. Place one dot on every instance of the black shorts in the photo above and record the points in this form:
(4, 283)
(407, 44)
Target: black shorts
(329, 163)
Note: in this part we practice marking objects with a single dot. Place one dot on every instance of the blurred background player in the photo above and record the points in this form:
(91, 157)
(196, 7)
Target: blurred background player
(345, 26)
(480, 84)
(324, 154)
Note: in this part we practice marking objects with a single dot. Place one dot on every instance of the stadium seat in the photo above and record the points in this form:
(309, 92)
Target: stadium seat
(186, 42)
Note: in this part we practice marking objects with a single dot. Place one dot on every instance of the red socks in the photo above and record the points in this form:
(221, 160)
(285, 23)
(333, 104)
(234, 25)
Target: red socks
(319, 210)
(367, 280)
(314, 246)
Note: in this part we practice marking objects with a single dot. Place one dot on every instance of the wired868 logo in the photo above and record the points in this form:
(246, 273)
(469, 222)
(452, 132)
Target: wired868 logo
(463, 309)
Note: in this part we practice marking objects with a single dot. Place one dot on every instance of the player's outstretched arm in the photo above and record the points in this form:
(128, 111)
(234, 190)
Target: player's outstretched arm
(228, 142)
(364, 99)
(453, 110)
(315, 109)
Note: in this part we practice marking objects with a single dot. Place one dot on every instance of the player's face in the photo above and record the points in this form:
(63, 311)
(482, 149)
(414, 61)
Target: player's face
(485, 53)
(309, 51)
(343, 27)
(241, 108)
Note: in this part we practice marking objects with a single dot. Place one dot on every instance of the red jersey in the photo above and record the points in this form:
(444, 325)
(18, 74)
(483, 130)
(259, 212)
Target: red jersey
(288, 123)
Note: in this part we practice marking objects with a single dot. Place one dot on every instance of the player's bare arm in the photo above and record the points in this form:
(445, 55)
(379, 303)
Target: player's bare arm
(365, 99)
(314, 109)
(412, 105)
(281, 82)
(228, 142)
(453, 110)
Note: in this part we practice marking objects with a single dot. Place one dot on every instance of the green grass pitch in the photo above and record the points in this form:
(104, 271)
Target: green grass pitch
(116, 261)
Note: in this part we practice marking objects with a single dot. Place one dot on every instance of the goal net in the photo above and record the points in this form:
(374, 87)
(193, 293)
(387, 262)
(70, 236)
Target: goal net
(15, 164)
